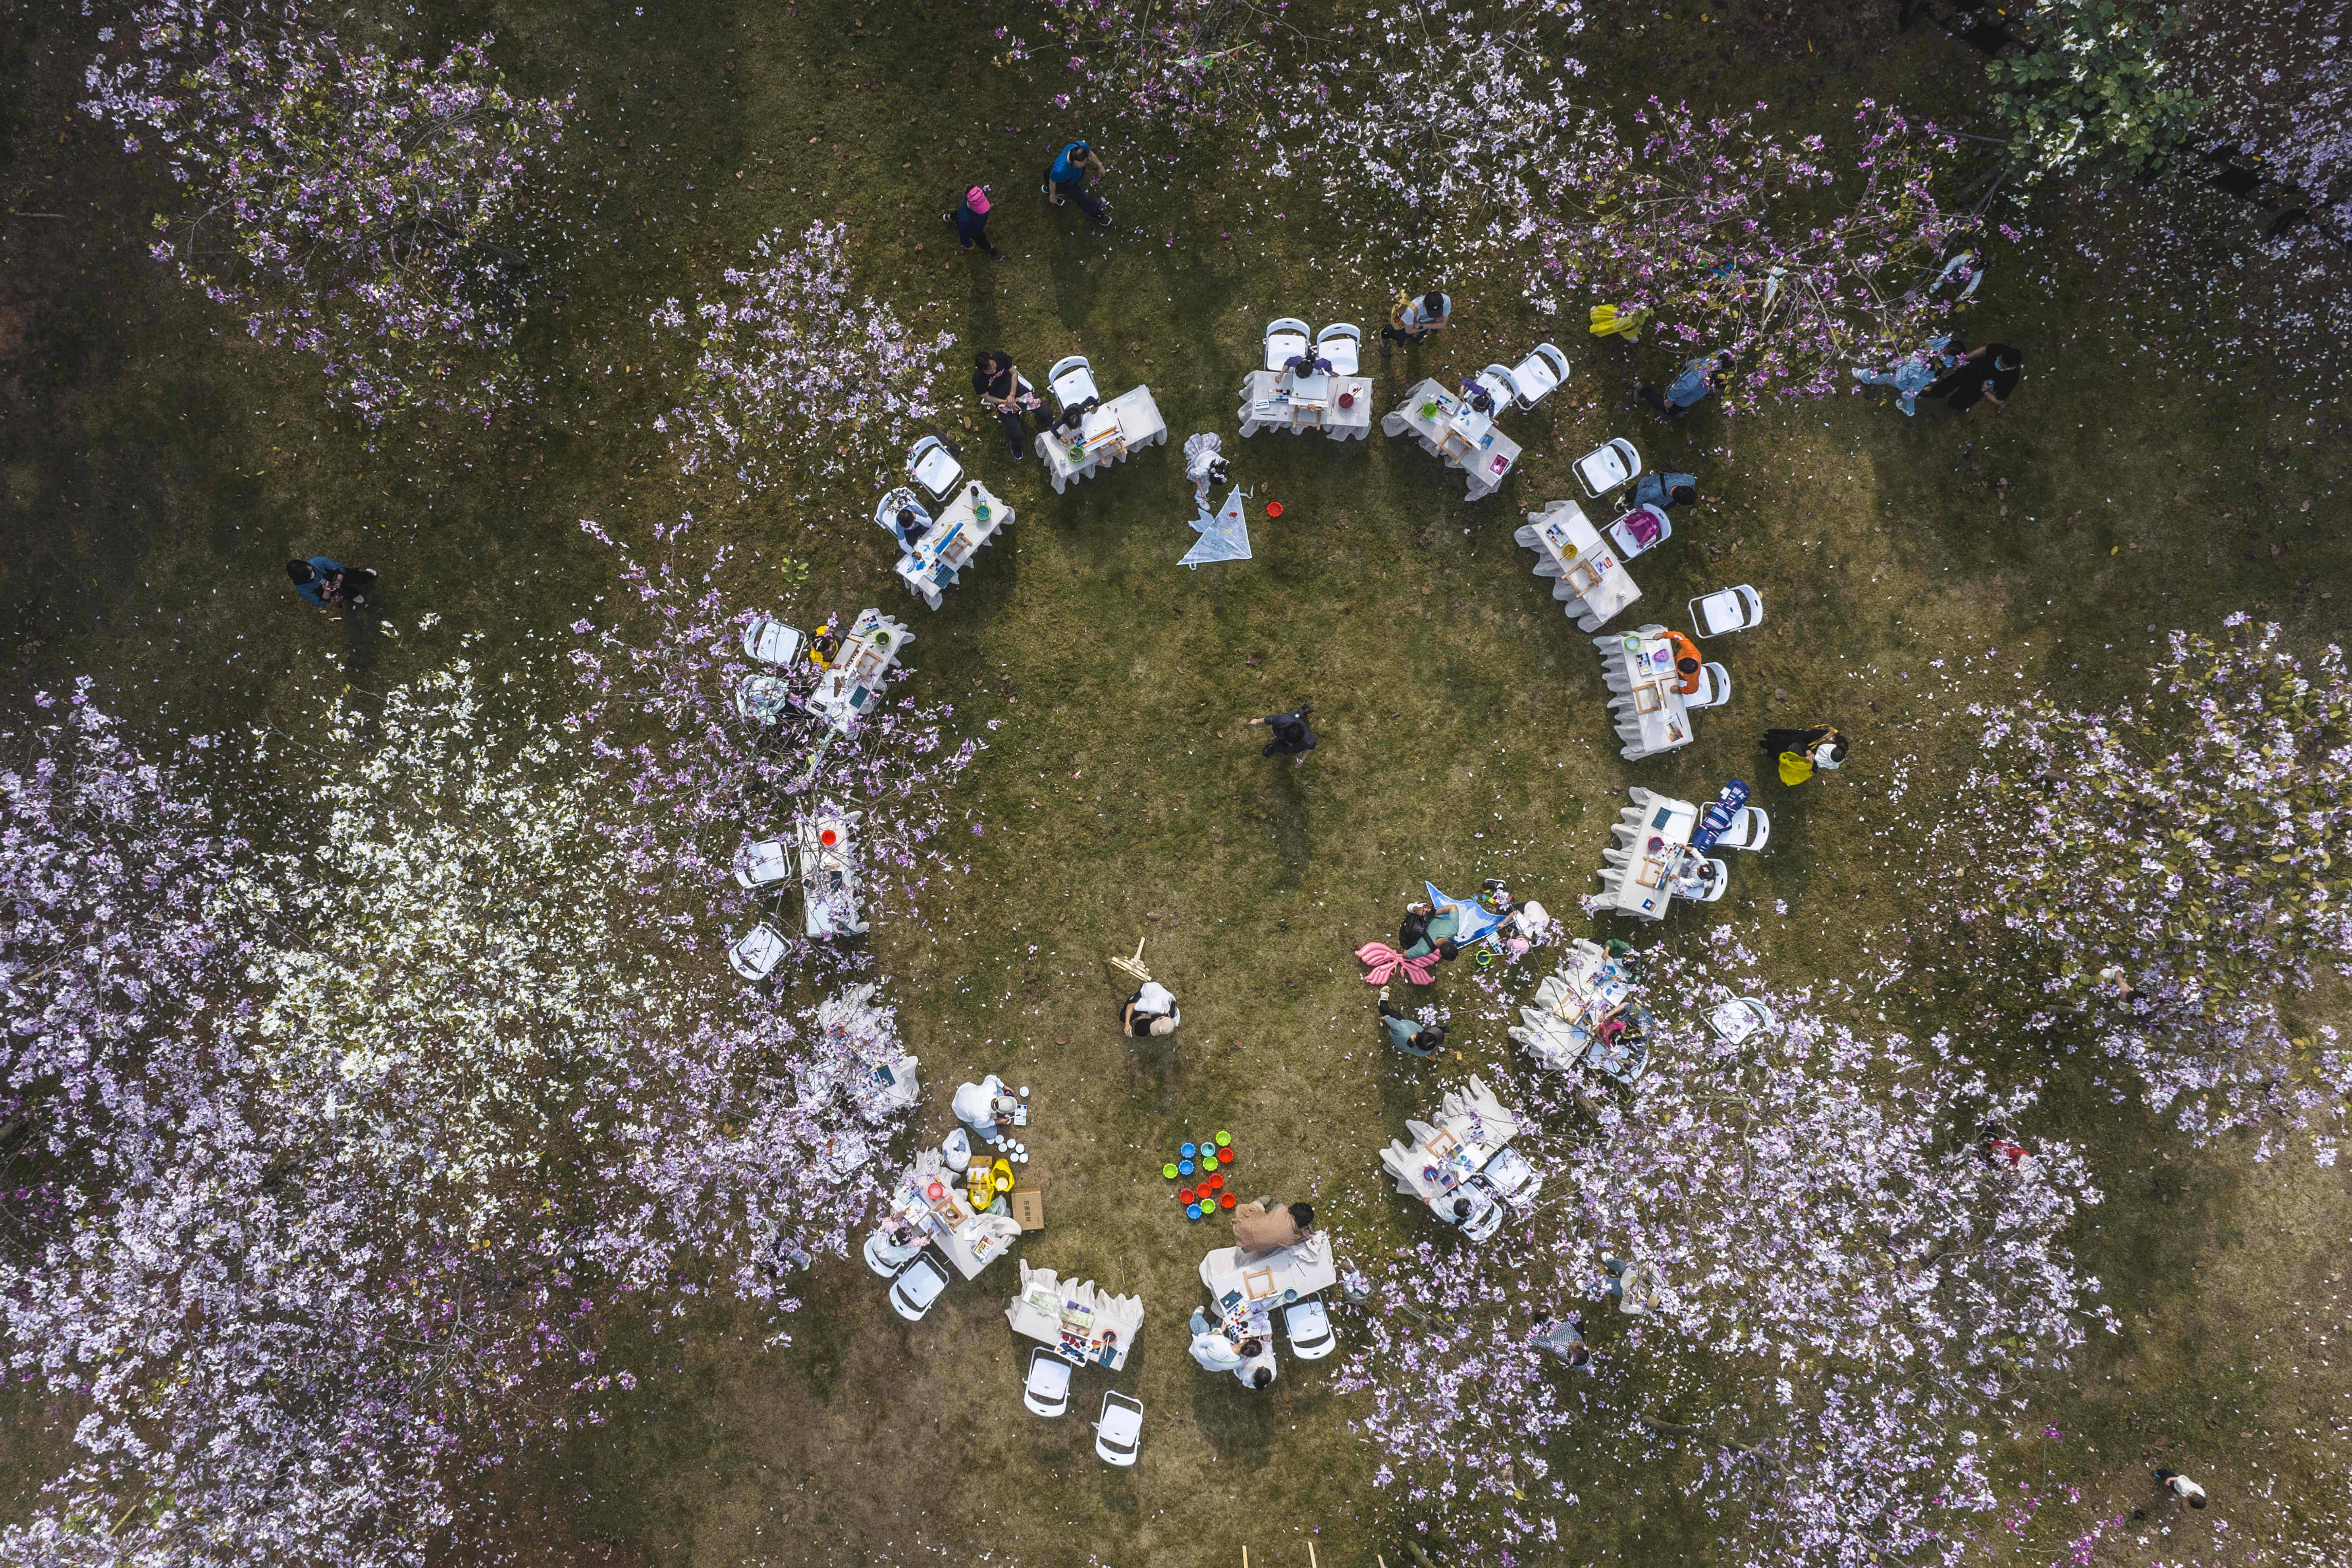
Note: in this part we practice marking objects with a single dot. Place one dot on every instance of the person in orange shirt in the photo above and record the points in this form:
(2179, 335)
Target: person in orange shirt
(1686, 662)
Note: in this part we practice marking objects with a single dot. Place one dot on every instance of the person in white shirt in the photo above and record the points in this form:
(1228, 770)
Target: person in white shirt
(1211, 1348)
(1150, 1011)
(1256, 1370)
(2181, 1487)
(982, 1107)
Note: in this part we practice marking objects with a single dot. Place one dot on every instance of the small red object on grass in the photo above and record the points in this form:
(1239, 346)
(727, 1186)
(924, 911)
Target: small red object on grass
(1274, 508)
(1226, 1201)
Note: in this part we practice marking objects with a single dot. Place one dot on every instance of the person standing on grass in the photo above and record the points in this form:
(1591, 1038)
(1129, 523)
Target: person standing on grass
(2181, 1487)
(970, 222)
(1799, 751)
(1411, 320)
(1150, 1013)
(1915, 371)
(1067, 176)
(1989, 372)
(1292, 738)
(1699, 377)
(998, 382)
(1406, 1033)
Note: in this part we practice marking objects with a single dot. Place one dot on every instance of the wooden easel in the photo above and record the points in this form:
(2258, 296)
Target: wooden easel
(1133, 966)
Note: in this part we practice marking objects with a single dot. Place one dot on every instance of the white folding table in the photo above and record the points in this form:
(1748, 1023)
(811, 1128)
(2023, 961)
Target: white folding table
(1637, 874)
(1112, 433)
(1447, 427)
(1639, 667)
(1268, 402)
(956, 536)
(1589, 570)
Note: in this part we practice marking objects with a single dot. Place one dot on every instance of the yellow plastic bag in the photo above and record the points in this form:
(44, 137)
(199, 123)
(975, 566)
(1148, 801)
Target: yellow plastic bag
(1607, 320)
(1795, 768)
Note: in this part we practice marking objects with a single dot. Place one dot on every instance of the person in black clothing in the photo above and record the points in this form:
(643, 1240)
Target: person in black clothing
(1412, 936)
(998, 382)
(1991, 371)
(1292, 738)
(1821, 746)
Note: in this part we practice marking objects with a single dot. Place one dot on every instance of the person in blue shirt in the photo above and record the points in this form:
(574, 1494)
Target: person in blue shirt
(327, 583)
(1699, 377)
(1664, 491)
(1067, 177)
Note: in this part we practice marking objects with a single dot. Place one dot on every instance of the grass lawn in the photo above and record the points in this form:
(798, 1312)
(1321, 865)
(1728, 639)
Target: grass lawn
(158, 470)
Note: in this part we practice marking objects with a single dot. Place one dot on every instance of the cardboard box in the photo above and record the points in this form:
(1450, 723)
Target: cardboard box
(1028, 1205)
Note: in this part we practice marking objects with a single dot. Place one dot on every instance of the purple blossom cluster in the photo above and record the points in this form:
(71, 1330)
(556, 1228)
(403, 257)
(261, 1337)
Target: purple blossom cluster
(1847, 1292)
(789, 369)
(689, 780)
(351, 205)
(364, 1143)
(2175, 857)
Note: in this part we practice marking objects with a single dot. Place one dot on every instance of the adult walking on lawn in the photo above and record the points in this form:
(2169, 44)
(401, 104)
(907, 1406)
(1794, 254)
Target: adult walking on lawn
(1066, 177)
(1292, 738)
(1798, 752)
(1991, 371)
(1412, 318)
(1406, 1033)
(970, 222)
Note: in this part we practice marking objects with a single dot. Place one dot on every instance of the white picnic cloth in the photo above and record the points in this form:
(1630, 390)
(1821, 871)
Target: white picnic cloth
(1315, 405)
(1137, 418)
(1638, 667)
(970, 1241)
(956, 537)
(1555, 1027)
(1637, 876)
(1591, 570)
(1473, 1128)
(1446, 433)
(1304, 1267)
(1080, 1322)
(854, 682)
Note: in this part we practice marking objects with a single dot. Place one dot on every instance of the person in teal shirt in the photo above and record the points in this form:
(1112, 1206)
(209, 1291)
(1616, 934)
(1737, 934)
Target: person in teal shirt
(1406, 1033)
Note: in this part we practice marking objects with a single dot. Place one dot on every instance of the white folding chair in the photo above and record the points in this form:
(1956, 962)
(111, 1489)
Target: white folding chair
(1342, 345)
(1309, 1327)
(763, 699)
(1118, 1433)
(1514, 1180)
(1046, 1391)
(1714, 688)
(1749, 831)
(1484, 1222)
(1727, 610)
(919, 1284)
(769, 641)
(1539, 374)
(1286, 340)
(758, 952)
(1073, 382)
(1620, 532)
(761, 862)
(930, 464)
(902, 500)
(1496, 380)
(1741, 1016)
(1604, 468)
(884, 1258)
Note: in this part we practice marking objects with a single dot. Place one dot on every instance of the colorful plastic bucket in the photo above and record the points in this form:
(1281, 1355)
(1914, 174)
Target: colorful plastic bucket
(1224, 1156)
(1183, 1167)
(1214, 1183)
(1184, 1194)
(1227, 1200)
(1188, 1151)
(1192, 1211)
(1169, 1171)
(1224, 1140)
